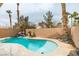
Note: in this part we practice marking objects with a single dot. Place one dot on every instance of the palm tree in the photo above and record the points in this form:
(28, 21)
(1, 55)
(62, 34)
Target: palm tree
(18, 12)
(65, 20)
(73, 16)
(9, 13)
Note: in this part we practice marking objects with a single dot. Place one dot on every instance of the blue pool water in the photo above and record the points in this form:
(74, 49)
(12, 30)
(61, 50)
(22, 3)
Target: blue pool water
(42, 46)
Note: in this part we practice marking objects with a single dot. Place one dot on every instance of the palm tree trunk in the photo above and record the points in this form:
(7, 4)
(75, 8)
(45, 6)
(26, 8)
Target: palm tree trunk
(10, 21)
(18, 12)
(65, 20)
(9, 13)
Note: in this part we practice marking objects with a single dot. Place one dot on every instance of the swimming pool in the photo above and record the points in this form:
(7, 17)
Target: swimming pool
(34, 45)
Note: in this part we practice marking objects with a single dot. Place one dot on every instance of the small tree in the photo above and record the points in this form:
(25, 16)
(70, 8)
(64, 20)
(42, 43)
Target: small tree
(42, 24)
(22, 23)
(47, 20)
(25, 24)
(59, 24)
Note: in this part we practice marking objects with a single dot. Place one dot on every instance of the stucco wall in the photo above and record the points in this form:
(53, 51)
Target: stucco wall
(75, 35)
(8, 32)
(47, 32)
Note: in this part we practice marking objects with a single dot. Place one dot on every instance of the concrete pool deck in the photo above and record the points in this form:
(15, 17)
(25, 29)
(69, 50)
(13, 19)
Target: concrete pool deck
(10, 49)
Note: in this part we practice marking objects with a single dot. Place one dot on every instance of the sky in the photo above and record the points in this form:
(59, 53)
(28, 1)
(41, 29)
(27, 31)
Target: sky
(35, 11)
